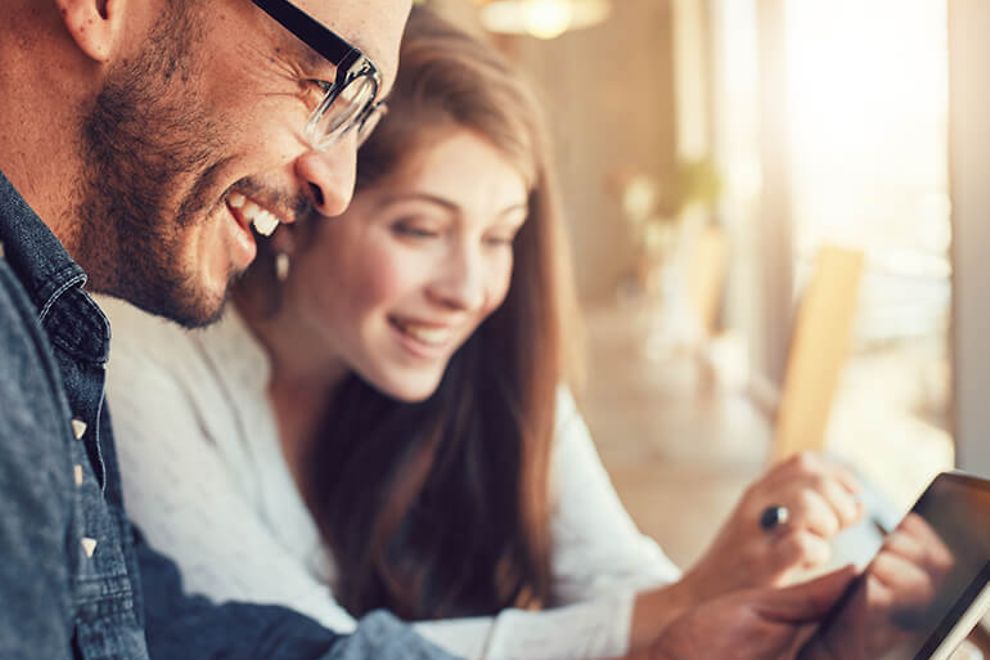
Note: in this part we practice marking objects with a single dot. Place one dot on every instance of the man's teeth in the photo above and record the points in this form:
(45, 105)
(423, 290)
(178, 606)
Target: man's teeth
(264, 221)
(426, 334)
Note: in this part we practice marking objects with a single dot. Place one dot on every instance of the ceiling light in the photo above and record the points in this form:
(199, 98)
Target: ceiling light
(544, 19)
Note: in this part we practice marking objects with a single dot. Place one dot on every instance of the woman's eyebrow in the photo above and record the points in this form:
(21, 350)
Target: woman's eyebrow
(421, 197)
(445, 203)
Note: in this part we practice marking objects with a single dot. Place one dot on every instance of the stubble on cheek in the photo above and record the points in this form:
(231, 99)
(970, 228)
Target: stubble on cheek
(156, 157)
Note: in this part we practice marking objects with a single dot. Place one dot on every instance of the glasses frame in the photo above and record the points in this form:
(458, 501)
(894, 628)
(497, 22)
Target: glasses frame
(352, 65)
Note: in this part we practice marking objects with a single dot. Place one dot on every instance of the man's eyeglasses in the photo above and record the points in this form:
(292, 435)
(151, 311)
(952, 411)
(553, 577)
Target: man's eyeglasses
(350, 102)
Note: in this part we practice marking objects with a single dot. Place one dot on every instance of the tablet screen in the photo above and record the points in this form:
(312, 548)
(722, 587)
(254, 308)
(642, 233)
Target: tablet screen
(911, 596)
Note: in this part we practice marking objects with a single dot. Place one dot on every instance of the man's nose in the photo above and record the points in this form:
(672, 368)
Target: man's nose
(328, 175)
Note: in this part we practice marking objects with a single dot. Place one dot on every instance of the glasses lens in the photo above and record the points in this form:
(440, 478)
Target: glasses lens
(345, 109)
(370, 121)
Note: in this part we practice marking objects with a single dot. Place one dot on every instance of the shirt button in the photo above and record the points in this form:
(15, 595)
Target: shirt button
(88, 546)
(78, 428)
(77, 472)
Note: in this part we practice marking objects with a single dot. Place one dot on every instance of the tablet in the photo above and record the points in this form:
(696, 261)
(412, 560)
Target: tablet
(948, 589)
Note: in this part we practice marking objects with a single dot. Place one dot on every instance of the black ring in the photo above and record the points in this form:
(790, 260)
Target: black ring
(774, 516)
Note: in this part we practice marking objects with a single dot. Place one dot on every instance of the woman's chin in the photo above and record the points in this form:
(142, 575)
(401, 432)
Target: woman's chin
(408, 389)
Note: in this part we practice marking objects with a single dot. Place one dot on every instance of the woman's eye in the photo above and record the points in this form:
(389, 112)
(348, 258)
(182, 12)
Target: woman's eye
(495, 241)
(500, 240)
(414, 231)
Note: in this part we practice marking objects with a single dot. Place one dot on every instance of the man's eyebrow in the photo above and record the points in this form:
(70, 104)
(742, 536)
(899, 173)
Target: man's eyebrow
(311, 60)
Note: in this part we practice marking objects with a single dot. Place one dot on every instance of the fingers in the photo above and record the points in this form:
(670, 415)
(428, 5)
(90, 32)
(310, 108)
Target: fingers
(821, 494)
(846, 478)
(811, 511)
(757, 623)
(843, 501)
(808, 601)
(801, 548)
(915, 539)
(907, 583)
(911, 563)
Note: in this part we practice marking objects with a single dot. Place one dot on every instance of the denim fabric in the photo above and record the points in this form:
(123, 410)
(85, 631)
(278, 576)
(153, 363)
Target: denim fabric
(56, 491)
(63, 597)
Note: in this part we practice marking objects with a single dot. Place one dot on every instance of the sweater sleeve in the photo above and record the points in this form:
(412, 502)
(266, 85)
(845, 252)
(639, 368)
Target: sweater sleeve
(182, 495)
(597, 548)
(193, 628)
(597, 628)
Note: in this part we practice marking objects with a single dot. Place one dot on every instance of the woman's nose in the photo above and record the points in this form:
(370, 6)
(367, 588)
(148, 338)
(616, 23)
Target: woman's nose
(461, 283)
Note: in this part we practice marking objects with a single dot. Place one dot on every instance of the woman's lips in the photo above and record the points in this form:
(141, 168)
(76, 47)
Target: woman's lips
(424, 339)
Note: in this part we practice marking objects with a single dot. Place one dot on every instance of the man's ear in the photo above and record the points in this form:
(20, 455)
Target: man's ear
(93, 24)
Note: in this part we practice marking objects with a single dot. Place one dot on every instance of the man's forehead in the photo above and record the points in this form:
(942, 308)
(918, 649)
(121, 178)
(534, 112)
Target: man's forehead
(374, 26)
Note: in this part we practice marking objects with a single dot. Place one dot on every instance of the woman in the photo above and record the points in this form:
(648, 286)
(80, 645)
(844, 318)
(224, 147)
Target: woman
(382, 424)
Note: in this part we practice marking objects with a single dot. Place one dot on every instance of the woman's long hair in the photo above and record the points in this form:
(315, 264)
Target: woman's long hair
(441, 508)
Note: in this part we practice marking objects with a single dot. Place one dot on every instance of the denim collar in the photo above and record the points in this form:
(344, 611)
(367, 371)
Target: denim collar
(52, 280)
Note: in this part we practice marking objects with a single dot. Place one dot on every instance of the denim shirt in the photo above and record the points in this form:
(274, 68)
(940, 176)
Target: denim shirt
(70, 585)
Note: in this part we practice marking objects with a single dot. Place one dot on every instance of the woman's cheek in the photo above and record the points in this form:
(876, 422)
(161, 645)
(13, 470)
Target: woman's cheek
(392, 272)
(501, 283)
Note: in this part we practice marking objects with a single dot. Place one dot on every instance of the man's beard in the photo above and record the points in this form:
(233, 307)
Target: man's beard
(144, 137)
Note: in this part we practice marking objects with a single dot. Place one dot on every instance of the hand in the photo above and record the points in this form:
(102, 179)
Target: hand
(821, 499)
(909, 569)
(887, 612)
(756, 624)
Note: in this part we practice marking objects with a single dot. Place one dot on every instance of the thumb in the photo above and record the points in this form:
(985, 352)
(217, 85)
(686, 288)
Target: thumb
(806, 602)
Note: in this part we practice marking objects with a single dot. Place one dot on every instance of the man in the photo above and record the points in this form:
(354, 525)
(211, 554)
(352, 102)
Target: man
(143, 139)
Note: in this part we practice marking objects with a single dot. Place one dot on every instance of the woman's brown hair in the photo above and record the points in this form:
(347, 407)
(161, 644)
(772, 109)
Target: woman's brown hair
(441, 508)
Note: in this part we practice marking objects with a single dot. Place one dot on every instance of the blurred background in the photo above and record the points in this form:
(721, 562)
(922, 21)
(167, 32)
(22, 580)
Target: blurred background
(777, 211)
